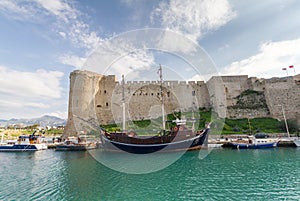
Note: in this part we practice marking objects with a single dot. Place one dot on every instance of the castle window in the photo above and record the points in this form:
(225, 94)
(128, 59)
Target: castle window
(151, 94)
(226, 90)
(193, 93)
(168, 94)
(106, 104)
(105, 91)
(99, 105)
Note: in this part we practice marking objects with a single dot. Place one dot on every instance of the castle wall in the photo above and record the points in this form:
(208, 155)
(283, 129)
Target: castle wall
(143, 99)
(283, 92)
(103, 99)
(256, 84)
(97, 98)
(224, 89)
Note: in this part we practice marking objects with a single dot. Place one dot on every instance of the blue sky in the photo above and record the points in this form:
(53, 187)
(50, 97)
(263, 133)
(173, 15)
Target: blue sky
(42, 41)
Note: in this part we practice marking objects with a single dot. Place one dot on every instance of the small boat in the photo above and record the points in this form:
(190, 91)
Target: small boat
(76, 144)
(253, 143)
(25, 143)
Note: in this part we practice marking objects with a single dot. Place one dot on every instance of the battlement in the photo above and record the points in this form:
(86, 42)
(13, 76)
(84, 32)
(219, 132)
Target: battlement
(172, 83)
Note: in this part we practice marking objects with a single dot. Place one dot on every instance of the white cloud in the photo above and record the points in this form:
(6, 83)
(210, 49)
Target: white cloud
(79, 34)
(130, 64)
(20, 104)
(59, 9)
(193, 18)
(272, 57)
(17, 10)
(63, 34)
(119, 56)
(64, 19)
(29, 94)
(138, 51)
(176, 42)
(69, 25)
(38, 84)
(199, 77)
(73, 60)
(59, 114)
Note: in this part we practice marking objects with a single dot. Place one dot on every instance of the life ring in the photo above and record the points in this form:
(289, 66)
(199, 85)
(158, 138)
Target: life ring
(180, 129)
(175, 128)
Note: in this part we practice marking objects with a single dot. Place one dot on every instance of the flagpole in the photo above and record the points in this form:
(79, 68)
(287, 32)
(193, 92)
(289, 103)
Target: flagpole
(285, 69)
(293, 67)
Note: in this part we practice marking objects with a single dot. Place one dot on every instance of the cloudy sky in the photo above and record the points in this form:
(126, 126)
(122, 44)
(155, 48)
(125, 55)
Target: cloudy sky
(42, 41)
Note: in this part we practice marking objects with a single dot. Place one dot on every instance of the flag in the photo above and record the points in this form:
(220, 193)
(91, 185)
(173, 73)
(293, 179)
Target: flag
(292, 66)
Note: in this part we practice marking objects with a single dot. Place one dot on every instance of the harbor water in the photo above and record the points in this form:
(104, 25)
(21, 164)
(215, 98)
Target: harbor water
(224, 174)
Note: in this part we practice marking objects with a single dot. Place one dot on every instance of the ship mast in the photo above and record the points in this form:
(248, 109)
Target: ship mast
(285, 122)
(123, 105)
(162, 98)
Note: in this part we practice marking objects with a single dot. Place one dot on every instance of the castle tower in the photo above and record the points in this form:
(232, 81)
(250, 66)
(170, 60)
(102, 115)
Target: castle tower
(83, 86)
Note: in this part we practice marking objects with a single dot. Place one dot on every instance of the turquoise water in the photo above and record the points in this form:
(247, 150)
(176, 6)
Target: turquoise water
(224, 174)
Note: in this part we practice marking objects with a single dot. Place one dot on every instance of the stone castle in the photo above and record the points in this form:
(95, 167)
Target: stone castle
(99, 98)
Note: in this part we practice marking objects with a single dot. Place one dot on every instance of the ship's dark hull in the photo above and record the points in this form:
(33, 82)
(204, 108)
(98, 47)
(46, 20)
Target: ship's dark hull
(185, 144)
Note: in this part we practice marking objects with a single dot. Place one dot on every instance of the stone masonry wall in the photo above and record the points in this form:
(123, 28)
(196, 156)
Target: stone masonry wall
(99, 98)
(283, 92)
(83, 85)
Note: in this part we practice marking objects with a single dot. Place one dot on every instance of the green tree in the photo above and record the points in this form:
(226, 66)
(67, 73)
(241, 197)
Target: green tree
(293, 125)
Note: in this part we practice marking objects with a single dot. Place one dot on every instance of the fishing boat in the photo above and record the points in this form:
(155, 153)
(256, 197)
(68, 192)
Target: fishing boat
(74, 143)
(25, 143)
(253, 143)
(177, 138)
